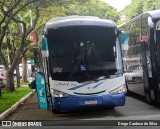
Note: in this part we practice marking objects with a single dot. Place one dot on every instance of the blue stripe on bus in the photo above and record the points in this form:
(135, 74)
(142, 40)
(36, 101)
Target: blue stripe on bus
(79, 86)
(98, 85)
(85, 85)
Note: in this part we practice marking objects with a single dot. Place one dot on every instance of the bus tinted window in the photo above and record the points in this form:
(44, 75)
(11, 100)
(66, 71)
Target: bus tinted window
(92, 47)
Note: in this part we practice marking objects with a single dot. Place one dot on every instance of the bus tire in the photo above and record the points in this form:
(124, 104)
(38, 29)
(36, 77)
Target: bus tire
(50, 106)
(128, 93)
(112, 108)
(156, 98)
(148, 97)
(56, 111)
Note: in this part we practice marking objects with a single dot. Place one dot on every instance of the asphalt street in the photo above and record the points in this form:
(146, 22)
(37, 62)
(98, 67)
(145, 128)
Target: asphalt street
(134, 109)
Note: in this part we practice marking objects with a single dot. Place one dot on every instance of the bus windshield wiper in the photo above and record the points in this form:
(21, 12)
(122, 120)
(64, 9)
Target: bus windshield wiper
(98, 58)
(80, 58)
(100, 78)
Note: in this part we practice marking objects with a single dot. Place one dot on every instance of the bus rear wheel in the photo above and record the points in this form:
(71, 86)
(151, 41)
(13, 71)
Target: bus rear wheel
(148, 97)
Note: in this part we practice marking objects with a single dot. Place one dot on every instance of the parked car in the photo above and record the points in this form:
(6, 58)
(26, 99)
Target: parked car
(20, 71)
(32, 81)
(135, 74)
(2, 76)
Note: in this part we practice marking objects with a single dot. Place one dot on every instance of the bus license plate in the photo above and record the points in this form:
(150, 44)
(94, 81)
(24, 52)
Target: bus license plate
(91, 102)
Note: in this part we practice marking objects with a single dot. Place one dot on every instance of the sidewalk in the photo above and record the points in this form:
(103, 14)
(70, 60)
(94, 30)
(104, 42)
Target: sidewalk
(29, 110)
(10, 110)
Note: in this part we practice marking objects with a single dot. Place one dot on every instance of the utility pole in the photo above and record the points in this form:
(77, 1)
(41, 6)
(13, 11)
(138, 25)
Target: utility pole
(33, 37)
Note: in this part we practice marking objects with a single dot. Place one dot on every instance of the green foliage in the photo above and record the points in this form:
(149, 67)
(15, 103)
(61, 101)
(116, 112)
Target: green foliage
(30, 50)
(49, 12)
(134, 9)
(50, 9)
(93, 8)
(137, 7)
(77, 7)
(57, 8)
(151, 5)
(8, 99)
(15, 21)
(119, 22)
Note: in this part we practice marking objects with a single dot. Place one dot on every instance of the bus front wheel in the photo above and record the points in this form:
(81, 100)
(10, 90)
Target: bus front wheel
(128, 92)
(56, 111)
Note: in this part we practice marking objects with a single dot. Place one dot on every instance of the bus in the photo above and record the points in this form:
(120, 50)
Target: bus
(141, 55)
(82, 65)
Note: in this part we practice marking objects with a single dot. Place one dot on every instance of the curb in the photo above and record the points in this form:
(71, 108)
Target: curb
(15, 106)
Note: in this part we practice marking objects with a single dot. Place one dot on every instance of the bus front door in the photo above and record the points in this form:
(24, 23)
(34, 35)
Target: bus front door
(147, 74)
(41, 91)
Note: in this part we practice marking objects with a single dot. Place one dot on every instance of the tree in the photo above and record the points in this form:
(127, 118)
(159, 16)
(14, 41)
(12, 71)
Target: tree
(15, 24)
(119, 22)
(151, 5)
(134, 9)
(15, 28)
(10, 19)
(78, 7)
(93, 8)
(137, 7)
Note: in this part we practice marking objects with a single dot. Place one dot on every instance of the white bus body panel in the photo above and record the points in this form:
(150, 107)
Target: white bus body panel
(89, 87)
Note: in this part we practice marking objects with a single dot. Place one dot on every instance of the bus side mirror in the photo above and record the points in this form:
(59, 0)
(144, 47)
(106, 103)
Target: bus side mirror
(44, 47)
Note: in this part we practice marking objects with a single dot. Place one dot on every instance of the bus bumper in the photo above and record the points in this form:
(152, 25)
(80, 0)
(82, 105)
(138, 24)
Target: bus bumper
(84, 102)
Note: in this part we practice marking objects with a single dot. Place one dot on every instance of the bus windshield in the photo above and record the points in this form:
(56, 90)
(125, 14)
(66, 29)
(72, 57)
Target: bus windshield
(81, 52)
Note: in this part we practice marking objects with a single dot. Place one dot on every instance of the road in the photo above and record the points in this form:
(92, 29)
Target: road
(134, 109)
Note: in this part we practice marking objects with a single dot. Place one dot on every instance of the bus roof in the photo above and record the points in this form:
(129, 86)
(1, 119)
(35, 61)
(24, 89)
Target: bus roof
(155, 15)
(78, 21)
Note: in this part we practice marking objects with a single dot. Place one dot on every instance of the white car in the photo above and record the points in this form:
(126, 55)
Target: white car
(2, 76)
(134, 76)
(32, 81)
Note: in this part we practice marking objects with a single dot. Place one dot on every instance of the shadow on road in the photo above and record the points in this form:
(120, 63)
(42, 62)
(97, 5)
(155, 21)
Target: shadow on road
(142, 99)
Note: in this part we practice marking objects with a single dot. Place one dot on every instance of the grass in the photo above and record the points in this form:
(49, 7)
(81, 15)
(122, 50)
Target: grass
(22, 84)
(10, 98)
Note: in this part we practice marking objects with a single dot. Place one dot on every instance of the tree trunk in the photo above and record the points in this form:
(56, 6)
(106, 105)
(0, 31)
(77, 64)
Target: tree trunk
(18, 76)
(9, 81)
(24, 70)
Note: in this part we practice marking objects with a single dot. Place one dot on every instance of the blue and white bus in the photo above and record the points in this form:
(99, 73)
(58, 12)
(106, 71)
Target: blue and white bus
(82, 65)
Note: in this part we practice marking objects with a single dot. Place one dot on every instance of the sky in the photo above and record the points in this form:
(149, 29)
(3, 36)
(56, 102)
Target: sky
(118, 4)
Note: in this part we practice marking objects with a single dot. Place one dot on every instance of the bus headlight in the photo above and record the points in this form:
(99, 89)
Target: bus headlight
(121, 89)
(56, 93)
